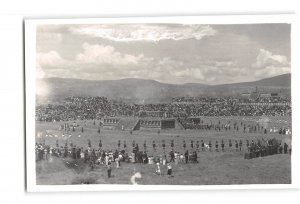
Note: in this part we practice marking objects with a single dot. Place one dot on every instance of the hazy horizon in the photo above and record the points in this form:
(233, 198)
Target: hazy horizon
(157, 80)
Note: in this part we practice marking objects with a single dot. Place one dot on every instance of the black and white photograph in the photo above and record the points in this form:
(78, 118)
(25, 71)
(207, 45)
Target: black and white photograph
(181, 102)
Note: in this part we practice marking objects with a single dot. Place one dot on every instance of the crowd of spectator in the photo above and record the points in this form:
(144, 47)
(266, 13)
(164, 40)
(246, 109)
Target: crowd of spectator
(85, 108)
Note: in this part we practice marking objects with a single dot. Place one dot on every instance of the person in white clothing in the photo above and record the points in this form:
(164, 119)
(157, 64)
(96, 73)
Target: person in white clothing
(157, 169)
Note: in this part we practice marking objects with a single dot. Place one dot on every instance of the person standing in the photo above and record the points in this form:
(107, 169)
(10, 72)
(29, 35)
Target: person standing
(154, 145)
(145, 146)
(186, 155)
(223, 145)
(202, 145)
(157, 169)
(230, 144)
(172, 155)
(163, 145)
(117, 160)
(169, 172)
(197, 145)
(109, 169)
(248, 145)
(217, 146)
(240, 145)
(119, 144)
(285, 148)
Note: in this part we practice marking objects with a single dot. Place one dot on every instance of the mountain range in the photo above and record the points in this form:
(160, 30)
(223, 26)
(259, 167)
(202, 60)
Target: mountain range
(150, 91)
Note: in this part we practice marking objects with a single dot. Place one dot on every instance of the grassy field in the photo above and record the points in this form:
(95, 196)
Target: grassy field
(227, 167)
(212, 169)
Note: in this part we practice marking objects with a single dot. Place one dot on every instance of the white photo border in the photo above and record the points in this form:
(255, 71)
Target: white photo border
(30, 68)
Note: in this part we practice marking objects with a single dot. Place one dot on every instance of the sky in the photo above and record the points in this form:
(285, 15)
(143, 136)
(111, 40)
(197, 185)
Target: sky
(168, 53)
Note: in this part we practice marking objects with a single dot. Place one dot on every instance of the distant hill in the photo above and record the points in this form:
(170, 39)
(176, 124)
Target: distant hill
(276, 81)
(151, 91)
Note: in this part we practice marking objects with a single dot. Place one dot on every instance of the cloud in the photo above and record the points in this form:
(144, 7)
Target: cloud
(94, 62)
(144, 32)
(268, 65)
(266, 58)
(101, 54)
(105, 62)
(51, 59)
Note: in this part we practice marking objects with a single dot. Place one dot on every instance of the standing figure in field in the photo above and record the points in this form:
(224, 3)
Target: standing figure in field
(172, 156)
(230, 144)
(192, 144)
(217, 146)
(124, 145)
(222, 145)
(210, 145)
(186, 156)
(109, 169)
(169, 172)
(137, 148)
(248, 145)
(195, 157)
(202, 145)
(280, 148)
(285, 148)
(163, 144)
(172, 144)
(100, 144)
(145, 146)
(197, 146)
(119, 144)
(240, 145)
(236, 146)
(154, 145)
(133, 144)
(157, 169)
(184, 145)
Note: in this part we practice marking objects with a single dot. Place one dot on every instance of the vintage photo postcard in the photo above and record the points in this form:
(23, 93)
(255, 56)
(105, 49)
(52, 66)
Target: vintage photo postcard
(159, 103)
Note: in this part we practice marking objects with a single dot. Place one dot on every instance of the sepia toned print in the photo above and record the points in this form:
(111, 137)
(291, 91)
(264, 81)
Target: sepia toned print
(163, 104)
